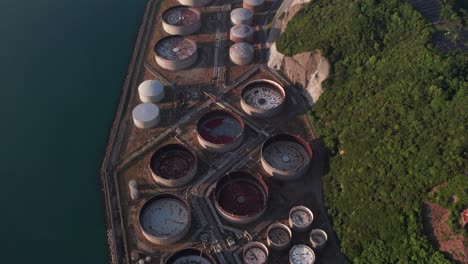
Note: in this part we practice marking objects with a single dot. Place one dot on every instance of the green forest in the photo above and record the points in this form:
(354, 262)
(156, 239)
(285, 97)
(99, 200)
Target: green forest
(393, 116)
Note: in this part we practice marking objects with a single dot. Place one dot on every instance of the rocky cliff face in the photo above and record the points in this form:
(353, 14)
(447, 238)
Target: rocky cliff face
(308, 69)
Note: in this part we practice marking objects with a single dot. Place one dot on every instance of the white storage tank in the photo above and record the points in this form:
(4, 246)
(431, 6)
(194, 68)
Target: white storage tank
(241, 16)
(241, 53)
(241, 33)
(146, 115)
(151, 91)
(254, 5)
(194, 2)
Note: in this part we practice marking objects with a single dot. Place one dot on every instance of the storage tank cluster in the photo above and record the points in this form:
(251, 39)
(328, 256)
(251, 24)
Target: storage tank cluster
(242, 34)
(279, 238)
(147, 114)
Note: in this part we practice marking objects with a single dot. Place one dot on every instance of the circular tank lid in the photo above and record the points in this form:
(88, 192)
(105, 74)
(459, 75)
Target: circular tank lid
(145, 112)
(241, 31)
(173, 161)
(279, 234)
(241, 194)
(318, 237)
(242, 49)
(263, 94)
(241, 14)
(254, 2)
(175, 48)
(220, 127)
(151, 88)
(165, 216)
(255, 253)
(181, 16)
(190, 255)
(286, 152)
(301, 254)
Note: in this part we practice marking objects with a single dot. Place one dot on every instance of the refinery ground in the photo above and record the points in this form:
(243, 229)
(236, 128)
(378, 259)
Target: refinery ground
(212, 84)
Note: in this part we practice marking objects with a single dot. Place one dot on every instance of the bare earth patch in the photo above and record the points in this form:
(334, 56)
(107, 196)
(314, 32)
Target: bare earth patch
(441, 235)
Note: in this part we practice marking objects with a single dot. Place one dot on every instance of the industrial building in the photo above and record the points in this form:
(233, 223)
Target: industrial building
(241, 197)
(220, 131)
(173, 165)
(181, 20)
(241, 16)
(262, 98)
(175, 52)
(241, 33)
(241, 53)
(286, 157)
(151, 91)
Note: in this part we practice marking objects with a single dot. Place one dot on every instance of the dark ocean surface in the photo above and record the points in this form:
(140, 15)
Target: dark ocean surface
(62, 65)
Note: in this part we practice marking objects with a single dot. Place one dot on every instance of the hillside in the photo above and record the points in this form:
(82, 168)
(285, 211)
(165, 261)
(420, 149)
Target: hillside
(393, 116)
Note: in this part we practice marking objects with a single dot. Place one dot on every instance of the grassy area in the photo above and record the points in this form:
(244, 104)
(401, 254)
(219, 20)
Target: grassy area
(397, 108)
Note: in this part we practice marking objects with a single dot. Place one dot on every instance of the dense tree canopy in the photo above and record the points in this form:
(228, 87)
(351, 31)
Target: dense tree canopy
(393, 115)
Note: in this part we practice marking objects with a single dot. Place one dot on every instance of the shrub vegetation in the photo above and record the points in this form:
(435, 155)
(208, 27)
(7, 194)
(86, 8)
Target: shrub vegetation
(396, 109)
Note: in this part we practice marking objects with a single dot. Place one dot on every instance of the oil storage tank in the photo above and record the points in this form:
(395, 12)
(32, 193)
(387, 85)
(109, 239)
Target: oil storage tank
(190, 255)
(173, 165)
(241, 33)
(220, 131)
(151, 91)
(262, 98)
(254, 5)
(165, 219)
(241, 53)
(241, 16)
(286, 157)
(146, 115)
(196, 3)
(181, 20)
(241, 197)
(175, 52)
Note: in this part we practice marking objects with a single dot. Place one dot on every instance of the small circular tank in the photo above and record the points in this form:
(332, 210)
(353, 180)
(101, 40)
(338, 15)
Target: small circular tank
(146, 115)
(255, 253)
(254, 5)
(278, 236)
(196, 3)
(241, 53)
(286, 157)
(175, 52)
(241, 16)
(241, 33)
(165, 219)
(173, 165)
(262, 98)
(300, 218)
(318, 238)
(151, 91)
(220, 131)
(240, 197)
(181, 20)
(301, 254)
(190, 255)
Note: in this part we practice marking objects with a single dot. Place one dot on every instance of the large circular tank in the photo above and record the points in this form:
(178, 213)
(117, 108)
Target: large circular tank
(165, 219)
(220, 131)
(262, 98)
(173, 165)
(254, 5)
(151, 91)
(194, 2)
(181, 20)
(190, 255)
(241, 53)
(241, 16)
(278, 236)
(285, 157)
(240, 197)
(241, 33)
(318, 238)
(175, 52)
(255, 253)
(146, 115)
